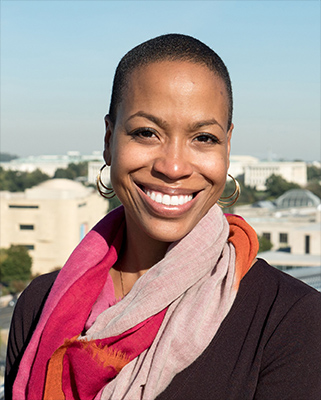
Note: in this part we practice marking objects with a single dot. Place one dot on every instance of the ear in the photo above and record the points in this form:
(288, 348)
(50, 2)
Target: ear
(108, 139)
(229, 137)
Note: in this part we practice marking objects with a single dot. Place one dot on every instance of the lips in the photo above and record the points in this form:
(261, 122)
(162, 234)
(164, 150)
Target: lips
(165, 201)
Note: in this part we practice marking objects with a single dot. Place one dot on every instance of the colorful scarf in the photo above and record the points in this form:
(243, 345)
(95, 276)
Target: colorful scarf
(135, 348)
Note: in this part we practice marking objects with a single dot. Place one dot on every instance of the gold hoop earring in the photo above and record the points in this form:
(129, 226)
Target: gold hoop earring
(107, 193)
(225, 201)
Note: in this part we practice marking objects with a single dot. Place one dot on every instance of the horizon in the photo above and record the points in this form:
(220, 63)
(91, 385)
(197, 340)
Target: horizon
(268, 158)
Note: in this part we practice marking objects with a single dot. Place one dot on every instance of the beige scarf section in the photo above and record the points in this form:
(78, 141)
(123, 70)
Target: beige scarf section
(197, 281)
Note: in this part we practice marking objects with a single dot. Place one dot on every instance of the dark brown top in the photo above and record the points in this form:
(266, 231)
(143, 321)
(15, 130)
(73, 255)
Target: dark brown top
(267, 348)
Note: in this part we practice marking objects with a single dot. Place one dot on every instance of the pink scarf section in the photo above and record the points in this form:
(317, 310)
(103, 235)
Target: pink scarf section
(196, 281)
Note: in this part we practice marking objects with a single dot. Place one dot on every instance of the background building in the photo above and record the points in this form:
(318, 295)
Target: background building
(293, 226)
(50, 220)
(239, 163)
(256, 174)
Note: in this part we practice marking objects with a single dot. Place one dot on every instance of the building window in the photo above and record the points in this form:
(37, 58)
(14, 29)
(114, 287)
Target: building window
(307, 244)
(283, 238)
(29, 246)
(27, 227)
(21, 206)
(267, 235)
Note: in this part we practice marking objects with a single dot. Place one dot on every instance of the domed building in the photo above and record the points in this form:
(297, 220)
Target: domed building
(49, 219)
(58, 188)
(293, 226)
(298, 198)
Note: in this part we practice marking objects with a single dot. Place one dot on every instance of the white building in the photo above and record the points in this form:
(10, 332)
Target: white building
(256, 174)
(50, 220)
(239, 163)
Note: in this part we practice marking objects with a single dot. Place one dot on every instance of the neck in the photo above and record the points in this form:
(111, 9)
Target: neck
(138, 254)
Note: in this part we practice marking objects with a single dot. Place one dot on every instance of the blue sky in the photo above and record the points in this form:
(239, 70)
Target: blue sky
(58, 59)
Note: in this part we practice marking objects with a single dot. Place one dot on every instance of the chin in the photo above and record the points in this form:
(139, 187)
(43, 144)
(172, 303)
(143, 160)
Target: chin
(168, 232)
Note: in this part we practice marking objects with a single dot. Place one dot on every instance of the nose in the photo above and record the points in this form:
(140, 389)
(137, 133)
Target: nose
(173, 162)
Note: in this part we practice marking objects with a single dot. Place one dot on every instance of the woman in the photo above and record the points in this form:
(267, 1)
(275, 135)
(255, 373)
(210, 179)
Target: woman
(200, 317)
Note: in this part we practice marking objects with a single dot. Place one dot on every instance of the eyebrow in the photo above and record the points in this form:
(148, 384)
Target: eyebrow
(163, 124)
(201, 124)
(158, 121)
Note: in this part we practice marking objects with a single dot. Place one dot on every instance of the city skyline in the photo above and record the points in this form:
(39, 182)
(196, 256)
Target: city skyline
(58, 60)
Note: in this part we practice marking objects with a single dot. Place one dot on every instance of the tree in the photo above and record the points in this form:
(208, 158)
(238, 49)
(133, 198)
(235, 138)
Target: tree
(314, 173)
(73, 171)
(34, 178)
(18, 181)
(11, 180)
(315, 188)
(276, 185)
(15, 265)
(64, 173)
(265, 244)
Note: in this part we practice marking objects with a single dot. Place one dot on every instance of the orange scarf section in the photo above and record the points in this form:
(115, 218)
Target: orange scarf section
(244, 239)
(53, 385)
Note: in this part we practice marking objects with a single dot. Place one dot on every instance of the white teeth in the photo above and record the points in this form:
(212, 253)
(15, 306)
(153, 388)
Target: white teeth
(181, 200)
(159, 198)
(168, 200)
(174, 201)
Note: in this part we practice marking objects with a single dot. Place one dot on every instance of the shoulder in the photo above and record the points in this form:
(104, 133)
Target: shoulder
(283, 306)
(42, 283)
(31, 302)
(290, 313)
(273, 284)
(274, 327)
(272, 301)
(33, 297)
(24, 321)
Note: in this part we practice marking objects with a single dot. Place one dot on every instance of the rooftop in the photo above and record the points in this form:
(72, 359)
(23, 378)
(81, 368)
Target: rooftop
(297, 198)
(58, 188)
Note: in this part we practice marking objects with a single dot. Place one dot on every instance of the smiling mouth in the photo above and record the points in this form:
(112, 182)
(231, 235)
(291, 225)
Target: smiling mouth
(166, 199)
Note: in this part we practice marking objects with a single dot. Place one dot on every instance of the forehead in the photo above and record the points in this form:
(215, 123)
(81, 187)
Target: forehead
(180, 67)
(165, 84)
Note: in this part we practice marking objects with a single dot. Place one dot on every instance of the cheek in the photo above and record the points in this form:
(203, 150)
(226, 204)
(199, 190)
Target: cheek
(215, 170)
(118, 171)
(125, 162)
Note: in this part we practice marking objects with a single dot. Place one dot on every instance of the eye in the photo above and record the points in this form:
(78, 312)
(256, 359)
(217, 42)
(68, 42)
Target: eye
(207, 138)
(143, 133)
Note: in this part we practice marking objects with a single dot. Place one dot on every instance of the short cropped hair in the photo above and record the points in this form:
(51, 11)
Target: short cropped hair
(170, 47)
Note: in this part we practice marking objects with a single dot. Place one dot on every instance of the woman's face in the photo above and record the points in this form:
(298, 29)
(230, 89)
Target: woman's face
(169, 148)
